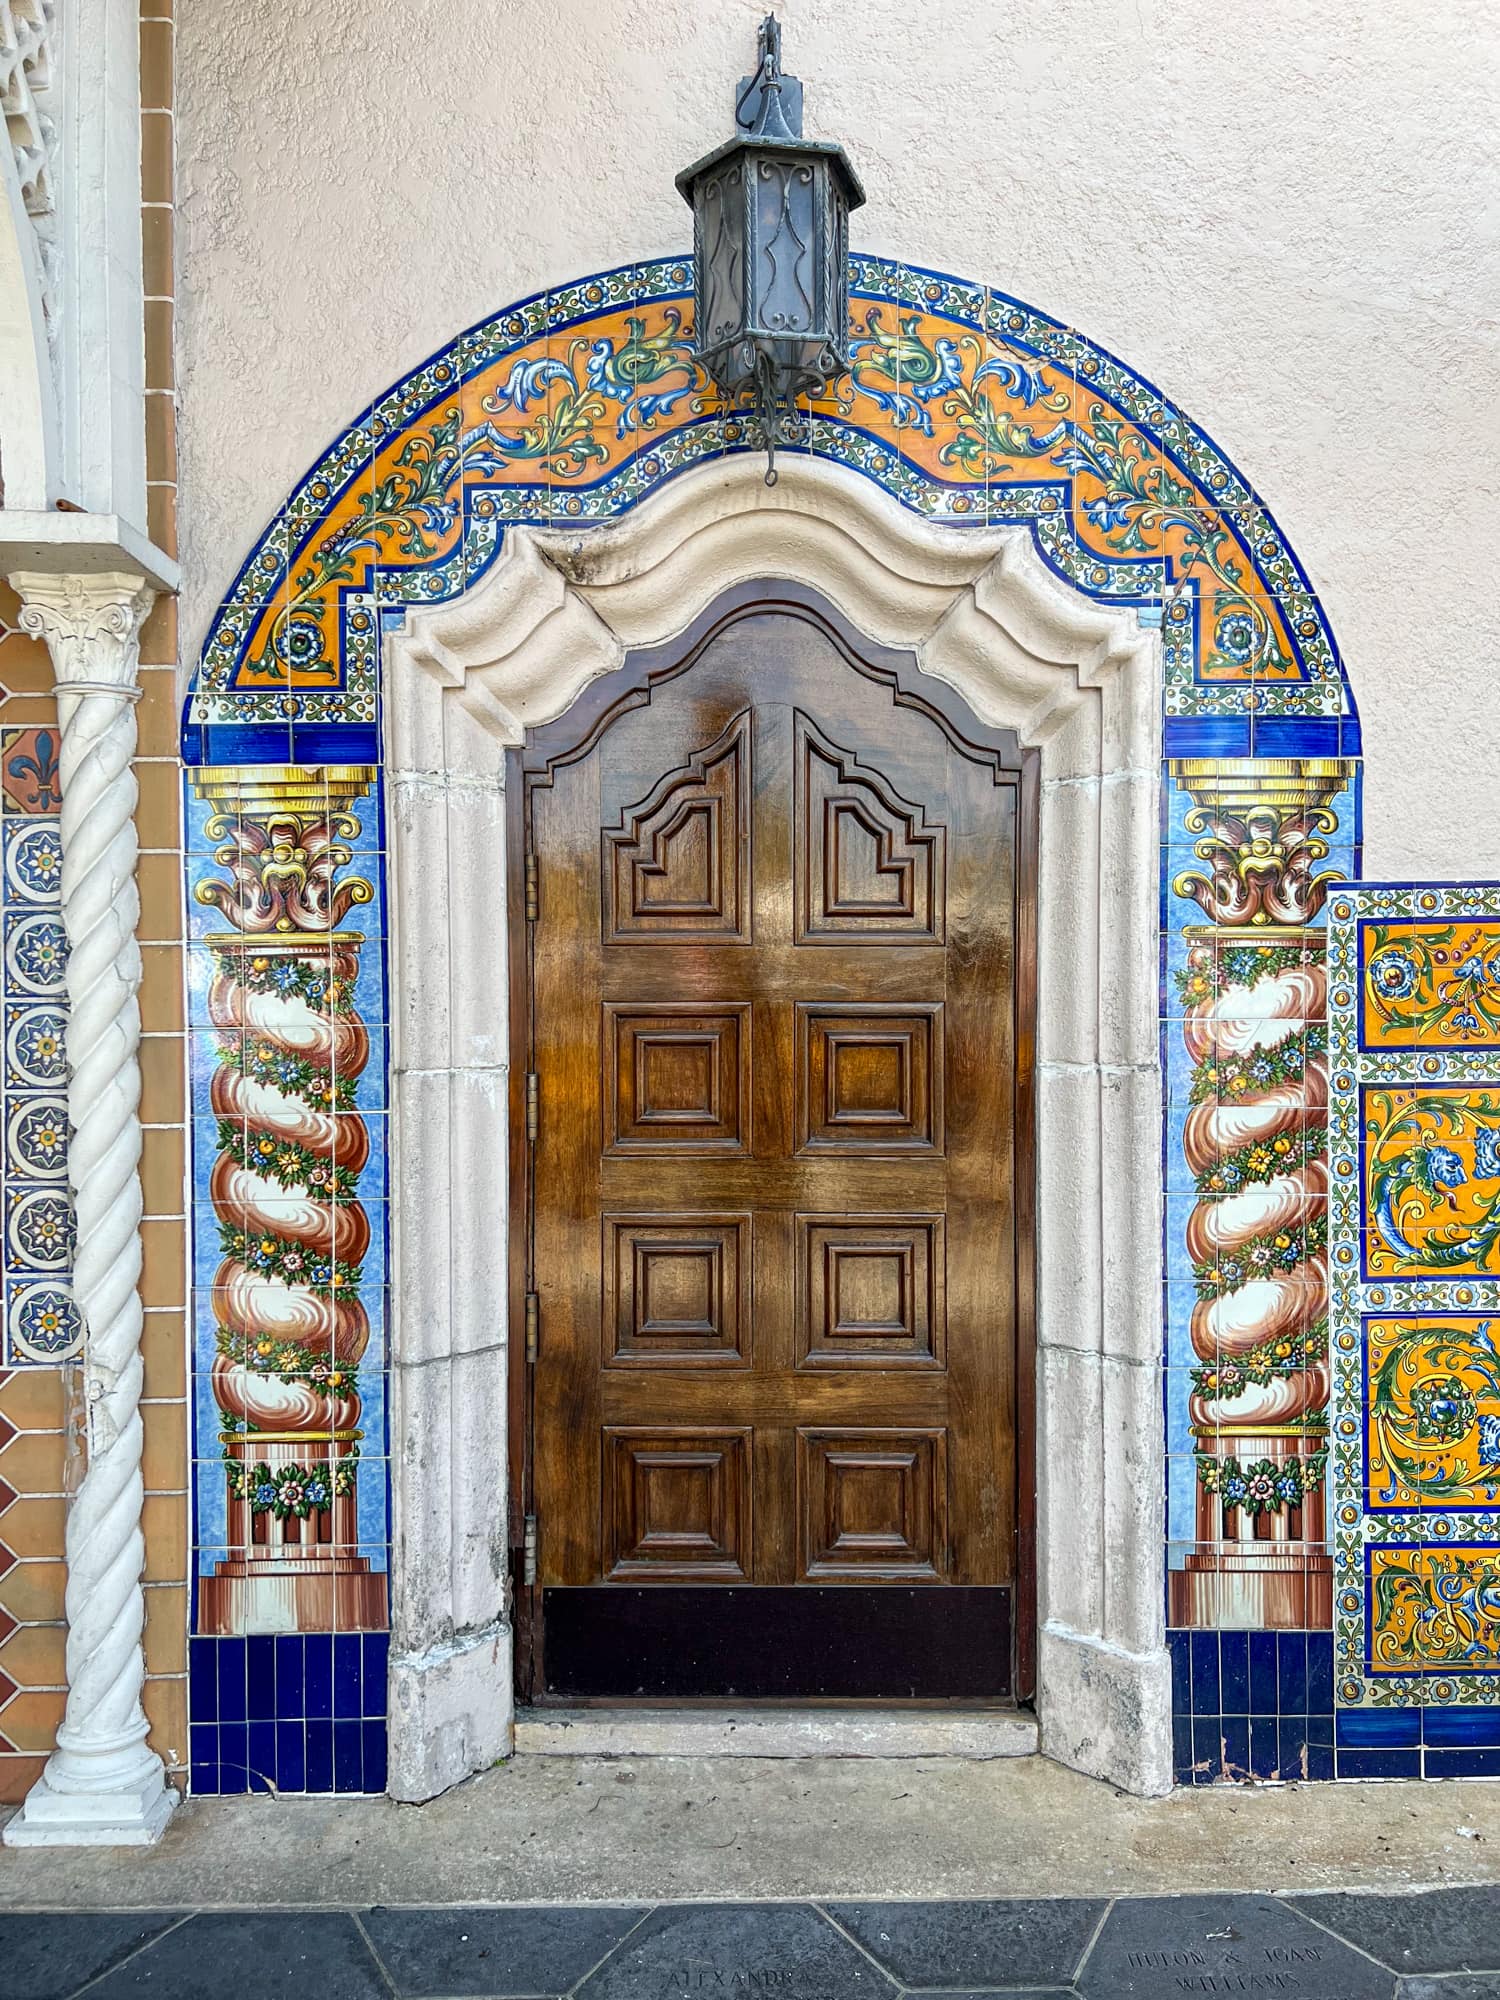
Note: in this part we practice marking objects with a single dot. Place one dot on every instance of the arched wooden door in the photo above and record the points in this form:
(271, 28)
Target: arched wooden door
(773, 960)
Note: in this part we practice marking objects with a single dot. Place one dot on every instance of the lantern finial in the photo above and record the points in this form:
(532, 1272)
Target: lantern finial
(770, 240)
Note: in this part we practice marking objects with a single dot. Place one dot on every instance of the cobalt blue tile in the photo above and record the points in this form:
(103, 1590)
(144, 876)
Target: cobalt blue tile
(348, 1759)
(260, 1677)
(1379, 1728)
(1455, 1728)
(291, 1757)
(1379, 1763)
(1182, 1747)
(1265, 1746)
(1234, 1672)
(1319, 1671)
(1206, 1673)
(320, 1756)
(1462, 1764)
(1349, 738)
(328, 743)
(1263, 1689)
(1179, 1645)
(234, 1757)
(203, 1756)
(1320, 1731)
(231, 1654)
(377, 1646)
(1291, 1745)
(375, 1756)
(1206, 736)
(1297, 736)
(1291, 1673)
(346, 1675)
(1237, 1743)
(203, 1682)
(290, 1700)
(1319, 1766)
(1208, 1742)
(317, 1668)
(260, 1755)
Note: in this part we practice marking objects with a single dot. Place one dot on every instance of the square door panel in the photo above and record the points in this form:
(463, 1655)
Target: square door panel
(872, 1503)
(677, 1079)
(677, 1505)
(870, 1079)
(870, 1291)
(676, 1290)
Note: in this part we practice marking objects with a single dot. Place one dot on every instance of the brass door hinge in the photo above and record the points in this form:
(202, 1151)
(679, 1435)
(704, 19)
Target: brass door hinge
(533, 1105)
(528, 1551)
(532, 1325)
(531, 892)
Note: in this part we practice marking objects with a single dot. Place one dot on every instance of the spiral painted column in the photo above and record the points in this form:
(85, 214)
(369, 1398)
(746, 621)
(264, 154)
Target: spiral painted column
(101, 1785)
(289, 1327)
(1255, 994)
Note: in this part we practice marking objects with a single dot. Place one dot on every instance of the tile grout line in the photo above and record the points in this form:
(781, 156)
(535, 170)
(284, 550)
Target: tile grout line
(1088, 1950)
(1286, 1902)
(185, 1917)
(619, 1944)
(380, 1965)
(888, 1973)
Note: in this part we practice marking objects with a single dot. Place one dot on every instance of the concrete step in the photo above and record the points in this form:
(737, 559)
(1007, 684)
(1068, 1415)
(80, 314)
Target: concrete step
(776, 1732)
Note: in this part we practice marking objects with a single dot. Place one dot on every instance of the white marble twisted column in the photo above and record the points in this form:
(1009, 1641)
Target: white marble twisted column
(102, 1786)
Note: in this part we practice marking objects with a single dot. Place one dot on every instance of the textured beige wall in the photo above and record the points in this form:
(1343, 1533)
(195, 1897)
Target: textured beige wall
(1283, 214)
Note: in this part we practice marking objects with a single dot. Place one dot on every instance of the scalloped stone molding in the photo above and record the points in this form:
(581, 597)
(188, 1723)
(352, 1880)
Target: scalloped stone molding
(981, 612)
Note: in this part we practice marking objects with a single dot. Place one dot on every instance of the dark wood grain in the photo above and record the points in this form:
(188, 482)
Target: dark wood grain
(777, 1215)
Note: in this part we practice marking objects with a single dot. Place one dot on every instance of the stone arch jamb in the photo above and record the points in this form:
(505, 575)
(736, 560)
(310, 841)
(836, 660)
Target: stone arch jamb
(982, 612)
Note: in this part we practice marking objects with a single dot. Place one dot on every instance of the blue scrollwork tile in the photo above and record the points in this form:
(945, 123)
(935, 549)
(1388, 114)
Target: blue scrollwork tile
(36, 1138)
(33, 862)
(41, 1323)
(36, 953)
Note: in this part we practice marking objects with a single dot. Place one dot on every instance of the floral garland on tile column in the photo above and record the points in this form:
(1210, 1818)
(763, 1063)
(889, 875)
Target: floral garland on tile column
(1255, 1139)
(289, 1327)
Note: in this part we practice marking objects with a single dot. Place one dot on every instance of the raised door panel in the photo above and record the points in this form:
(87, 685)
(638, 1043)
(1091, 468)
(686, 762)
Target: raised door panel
(873, 1503)
(870, 1079)
(868, 868)
(677, 1079)
(677, 1505)
(870, 1291)
(676, 867)
(676, 1291)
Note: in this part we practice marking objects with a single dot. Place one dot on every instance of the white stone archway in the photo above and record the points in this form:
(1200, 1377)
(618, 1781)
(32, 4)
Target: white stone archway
(980, 611)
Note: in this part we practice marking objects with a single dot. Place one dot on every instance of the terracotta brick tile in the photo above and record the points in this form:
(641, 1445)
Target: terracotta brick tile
(159, 367)
(162, 1058)
(164, 1522)
(33, 1399)
(162, 1005)
(156, 252)
(33, 1591)
(159, 877)
(159, 634)
(156, 156)
(158, 815)
(161, 436)
(164, 1457)
(25, 665)
(161, 517)
(30, 1721)
(33, 1657)
(163, 1154)
(165, 1702)
(166, 1629)
(156, 65)
(164, 1350)
(164, 1262)
(17, 1776)
(34, 1527)
(157, 718)
(33, 1463)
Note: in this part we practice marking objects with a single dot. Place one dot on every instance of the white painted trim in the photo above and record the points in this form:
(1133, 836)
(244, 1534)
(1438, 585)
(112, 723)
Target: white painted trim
(983, 613)
(28, 401)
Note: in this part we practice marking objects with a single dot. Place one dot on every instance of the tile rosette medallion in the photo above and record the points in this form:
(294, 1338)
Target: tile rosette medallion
(1255, 1004)
(289, 1327)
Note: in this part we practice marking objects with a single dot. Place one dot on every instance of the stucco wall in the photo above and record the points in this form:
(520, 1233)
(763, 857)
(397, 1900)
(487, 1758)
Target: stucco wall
(1277, 213)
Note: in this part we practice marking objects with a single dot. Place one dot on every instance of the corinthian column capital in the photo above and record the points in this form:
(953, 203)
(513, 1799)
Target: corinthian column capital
(91, 624)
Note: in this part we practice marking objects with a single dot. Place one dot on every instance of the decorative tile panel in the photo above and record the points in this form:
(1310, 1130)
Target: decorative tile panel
(1414, 1161)
(41, 1320)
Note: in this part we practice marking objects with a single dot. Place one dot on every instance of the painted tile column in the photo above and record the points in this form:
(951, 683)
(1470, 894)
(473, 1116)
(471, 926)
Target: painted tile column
(1255, 1000)
(290, 1329)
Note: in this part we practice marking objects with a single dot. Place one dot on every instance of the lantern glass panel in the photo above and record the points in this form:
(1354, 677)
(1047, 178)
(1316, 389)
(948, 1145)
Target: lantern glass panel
(721, 252)
(785, 209)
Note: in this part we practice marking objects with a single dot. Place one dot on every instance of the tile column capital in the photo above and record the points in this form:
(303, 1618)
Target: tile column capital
(91, 622)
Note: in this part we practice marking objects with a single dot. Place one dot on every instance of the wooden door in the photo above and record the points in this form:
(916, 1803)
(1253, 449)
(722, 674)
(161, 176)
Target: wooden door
(776, 943)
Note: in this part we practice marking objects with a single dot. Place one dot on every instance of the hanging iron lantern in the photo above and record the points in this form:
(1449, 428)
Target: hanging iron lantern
(771, 250)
